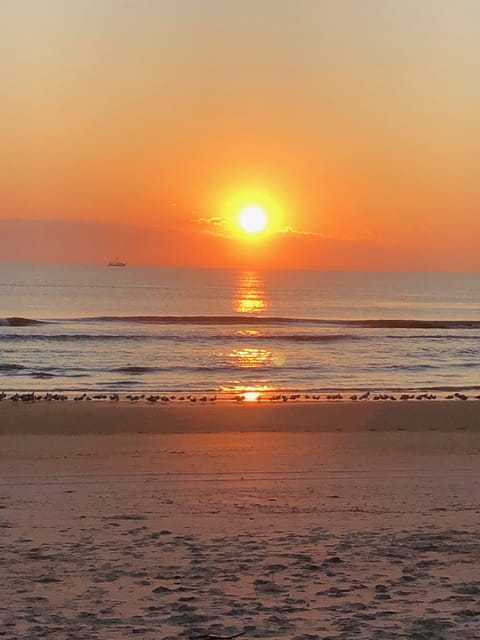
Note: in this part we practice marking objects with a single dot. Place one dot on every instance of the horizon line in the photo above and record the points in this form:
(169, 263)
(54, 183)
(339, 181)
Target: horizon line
(235, 268)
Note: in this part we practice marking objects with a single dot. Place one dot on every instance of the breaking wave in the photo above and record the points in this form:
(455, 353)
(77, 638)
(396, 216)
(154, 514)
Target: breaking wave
(381, 323)
(16, 321)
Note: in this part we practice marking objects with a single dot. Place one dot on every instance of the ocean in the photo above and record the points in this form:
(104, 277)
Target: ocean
(77, 328)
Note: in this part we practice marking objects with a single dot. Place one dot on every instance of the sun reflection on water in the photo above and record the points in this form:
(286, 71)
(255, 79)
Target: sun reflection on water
(249, 298)
(248, 393)
(248, 332)
(249, 293)
(250, 357)
(251, 396)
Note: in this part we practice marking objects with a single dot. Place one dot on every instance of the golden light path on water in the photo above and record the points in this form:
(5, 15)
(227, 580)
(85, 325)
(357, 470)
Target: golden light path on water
(249, 298)
(250, 357)
(249, 295)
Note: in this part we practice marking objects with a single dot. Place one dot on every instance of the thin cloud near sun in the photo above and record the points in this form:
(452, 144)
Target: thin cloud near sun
(298, 232)
(216, 224)
(214, 221)
(213, 225)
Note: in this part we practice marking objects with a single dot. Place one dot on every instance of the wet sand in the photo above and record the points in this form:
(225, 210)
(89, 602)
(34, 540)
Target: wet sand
(110, 417)
(301, 521)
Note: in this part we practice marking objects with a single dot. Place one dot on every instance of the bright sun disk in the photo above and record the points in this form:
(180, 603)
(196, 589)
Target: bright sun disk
(253, 219)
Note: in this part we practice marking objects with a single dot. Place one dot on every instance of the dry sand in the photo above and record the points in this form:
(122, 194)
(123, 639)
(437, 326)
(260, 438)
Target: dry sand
(298, 522)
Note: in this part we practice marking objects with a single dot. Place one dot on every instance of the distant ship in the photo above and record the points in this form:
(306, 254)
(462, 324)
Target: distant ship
(116, 263)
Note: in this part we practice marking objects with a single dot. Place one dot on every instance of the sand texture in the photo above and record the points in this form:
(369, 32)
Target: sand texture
(349, 531)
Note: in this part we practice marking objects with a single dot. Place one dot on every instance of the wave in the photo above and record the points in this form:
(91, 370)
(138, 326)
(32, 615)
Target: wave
(16, 321)
(74, 337)
(11, 367)
(431, 336)
(198, 320)
(410, 367)
(413, 324)
(45, 372)
(137, 369)
(222, 320)
(230, 337)
(281, 320)
(302, 337)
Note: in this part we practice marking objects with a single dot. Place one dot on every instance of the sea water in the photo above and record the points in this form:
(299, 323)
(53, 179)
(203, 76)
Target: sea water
(164, 329)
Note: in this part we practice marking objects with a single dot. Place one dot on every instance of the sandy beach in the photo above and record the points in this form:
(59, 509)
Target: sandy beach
(305, 521)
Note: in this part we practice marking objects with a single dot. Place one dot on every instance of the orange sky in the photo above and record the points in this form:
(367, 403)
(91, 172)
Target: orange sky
(139, 128)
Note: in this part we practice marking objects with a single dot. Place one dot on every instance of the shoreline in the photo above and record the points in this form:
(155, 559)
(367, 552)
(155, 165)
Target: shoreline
(471, 392)
(97, 417)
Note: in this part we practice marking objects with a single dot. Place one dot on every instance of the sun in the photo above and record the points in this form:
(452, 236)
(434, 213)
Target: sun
(253, 219)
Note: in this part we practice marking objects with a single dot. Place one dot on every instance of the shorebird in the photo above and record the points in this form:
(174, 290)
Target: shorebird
(27, 397)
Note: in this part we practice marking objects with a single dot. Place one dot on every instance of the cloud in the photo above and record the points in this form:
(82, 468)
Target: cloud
(297, 232)
(212, 226)
(214, 221)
